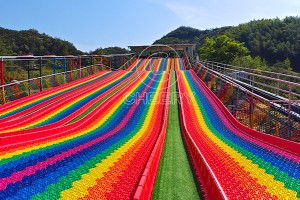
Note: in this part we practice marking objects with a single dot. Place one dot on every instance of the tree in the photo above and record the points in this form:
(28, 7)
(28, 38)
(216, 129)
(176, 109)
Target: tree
(32, 42)
(284, 65)
(249, 62)
(222, 49)
(110, 50)
(273, 40)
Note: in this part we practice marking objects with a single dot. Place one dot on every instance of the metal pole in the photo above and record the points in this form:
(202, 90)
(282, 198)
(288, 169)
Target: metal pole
(2, 71)
(110, 62)
(251, 103)
(28, 75)
(2, 80)
(40, 65)
(71, 69)
(65, 70)
(28, 70)
(54, 72)
(277, 91)
(80, 62)
(54, 66)
(289, 110)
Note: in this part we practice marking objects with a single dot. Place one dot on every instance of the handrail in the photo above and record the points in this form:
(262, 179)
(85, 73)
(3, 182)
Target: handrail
(265, 77)
(128, 61)
(284, 144)
(245, 77)
(30, 136)
(250, 69)
(36, 85)
(288, 107)
(32, 57)
(239, 84)
(37, 78)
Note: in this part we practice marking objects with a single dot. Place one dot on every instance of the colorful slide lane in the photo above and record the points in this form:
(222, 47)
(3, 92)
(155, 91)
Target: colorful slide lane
(232, 161)
(24, 103)
(179, 64)
(112, 149)
(100, 156)
(48, 112)
(155, 64)
(17, 139)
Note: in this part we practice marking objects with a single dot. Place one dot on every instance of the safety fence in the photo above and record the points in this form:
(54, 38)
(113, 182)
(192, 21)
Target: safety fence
(20, 89)
(127, 64)
(273, 84)
(279, 117)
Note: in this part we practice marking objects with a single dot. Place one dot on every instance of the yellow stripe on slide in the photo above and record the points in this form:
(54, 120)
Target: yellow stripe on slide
(273, 187)
(59, 110)
(43, 97)
(80, 187)
(97, 123)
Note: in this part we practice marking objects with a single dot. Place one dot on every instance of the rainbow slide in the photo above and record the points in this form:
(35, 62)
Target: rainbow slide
(58, 107)
(231, 160)
(102, 137)
(154, 64)
(45, 154)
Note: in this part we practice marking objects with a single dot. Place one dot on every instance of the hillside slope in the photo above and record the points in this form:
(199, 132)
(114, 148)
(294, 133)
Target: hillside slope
(30, 41)
(272, 39)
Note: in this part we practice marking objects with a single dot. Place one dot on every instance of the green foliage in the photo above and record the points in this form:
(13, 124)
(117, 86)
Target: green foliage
(20, 73)
(110, 50)
(185, 34)
(273, 40)
(284, 65)
(249, 62)
(32, 42)
(222, 49)
(261, 64)
(188, 35)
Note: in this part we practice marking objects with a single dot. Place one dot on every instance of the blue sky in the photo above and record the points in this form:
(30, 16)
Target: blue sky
(91, 24)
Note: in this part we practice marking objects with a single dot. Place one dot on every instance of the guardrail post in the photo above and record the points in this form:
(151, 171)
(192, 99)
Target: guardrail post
(277, 91)
(2, 71)
(2, 94)
(251, 103)
(289, 110)
(80, 63)
(2, 80)
(276, 124)
(40, 64)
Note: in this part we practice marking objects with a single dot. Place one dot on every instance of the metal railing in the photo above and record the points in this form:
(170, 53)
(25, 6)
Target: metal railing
(19, 89)
(290, 76)
(280, 84)
(128, 63)
(243, 95)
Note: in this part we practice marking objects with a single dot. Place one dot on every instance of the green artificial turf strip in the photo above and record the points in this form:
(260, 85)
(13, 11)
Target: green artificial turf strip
(101, 101)
(175, 179)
